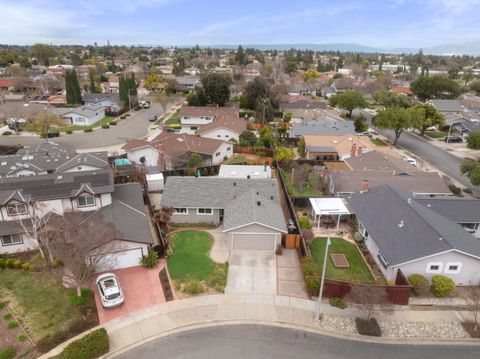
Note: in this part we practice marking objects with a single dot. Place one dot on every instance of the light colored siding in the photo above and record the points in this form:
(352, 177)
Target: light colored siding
(193, 217)
(150, 154)
(221, 134)
(28, 244)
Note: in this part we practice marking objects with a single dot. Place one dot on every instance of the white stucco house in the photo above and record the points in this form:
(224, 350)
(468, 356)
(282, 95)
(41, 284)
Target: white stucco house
(82, 115)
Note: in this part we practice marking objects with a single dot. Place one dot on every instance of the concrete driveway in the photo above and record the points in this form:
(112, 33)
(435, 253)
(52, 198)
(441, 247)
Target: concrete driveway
(141, 288)
(252, 272)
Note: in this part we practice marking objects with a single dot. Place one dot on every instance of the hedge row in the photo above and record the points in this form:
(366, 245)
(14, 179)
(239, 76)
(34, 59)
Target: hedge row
(91, 346)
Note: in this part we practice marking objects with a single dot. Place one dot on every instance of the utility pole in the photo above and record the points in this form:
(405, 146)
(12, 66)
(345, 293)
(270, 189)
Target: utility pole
(322, 281)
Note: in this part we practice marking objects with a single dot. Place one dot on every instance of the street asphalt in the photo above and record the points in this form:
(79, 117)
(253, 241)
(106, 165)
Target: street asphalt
(135, 126)
(254, 341)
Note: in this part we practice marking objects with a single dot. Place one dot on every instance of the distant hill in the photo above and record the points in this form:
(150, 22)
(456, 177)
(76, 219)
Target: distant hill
(469, 48)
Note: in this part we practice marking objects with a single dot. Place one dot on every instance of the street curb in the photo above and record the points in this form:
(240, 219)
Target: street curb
(279, 324)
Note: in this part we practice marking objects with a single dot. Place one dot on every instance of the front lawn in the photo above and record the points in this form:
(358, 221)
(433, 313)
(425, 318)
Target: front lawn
(436, 134)
(358, 270)
(174, 119)
(39, 300)
(104, 120)
(378, 142)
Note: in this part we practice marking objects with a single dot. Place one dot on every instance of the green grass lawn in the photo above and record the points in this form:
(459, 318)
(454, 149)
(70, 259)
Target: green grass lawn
(378, 142)
(236, 160)
(38, 299)
(436, 134)
(308, 187)
(190, 256)
(174, 119)
(106, 119)
(358, 271)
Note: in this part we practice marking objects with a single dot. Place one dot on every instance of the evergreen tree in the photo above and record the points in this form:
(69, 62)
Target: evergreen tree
(77, 93)
(132, 85)
(123, 90)
(92, 83)
(69, 88)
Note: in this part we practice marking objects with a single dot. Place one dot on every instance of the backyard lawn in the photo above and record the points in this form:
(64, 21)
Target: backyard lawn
(174, 119)
(309, 186)
(39, 300)
(106, 119)
(190, 255)
(358, 270)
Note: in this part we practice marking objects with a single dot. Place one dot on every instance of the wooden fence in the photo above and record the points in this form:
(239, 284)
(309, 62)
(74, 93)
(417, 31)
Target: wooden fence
(253, 150)
(253, 126)
(398, 294)
(292, 240)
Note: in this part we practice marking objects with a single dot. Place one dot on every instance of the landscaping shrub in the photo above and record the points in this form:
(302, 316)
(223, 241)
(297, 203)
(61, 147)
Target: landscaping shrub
(419, 284)
(51, 341)
(7, 353)
(10, 263)
(358, 237)
(17, 263)
(457, 191)
(218, 279)
(12, 325)
(93, 345)
(337, 302)
(311, 275)
(2, 305)
(467, 190)
(2, 263)
(368, 327)
(113, 123)
(68, 132)
(442, 285)
(7, 133)
(75, 299)
(56, 263)
(127, 114)
(87, 130)
(21, 337)
(193, 286)
(308, 234)
(150, 260)
(304, 223)
(25, 266)
(105, 125)
(7, 316)
(123, 117)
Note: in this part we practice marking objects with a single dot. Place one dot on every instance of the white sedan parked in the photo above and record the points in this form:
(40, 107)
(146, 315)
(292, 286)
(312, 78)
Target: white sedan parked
(110, 291)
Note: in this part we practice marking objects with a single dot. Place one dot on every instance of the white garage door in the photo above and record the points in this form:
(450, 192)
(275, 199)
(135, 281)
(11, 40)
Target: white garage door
(247, 241)
(118, 260)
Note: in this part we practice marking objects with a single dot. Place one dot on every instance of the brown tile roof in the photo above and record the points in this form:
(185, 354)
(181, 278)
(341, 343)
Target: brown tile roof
(177, 144)
(233, 123)
(342, 144)
(375, 160)
(134, 144)
(402, 90)
(415, 182)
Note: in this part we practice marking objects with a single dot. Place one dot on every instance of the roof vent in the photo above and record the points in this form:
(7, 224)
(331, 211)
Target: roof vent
(400, 225)
(429, 205)
(234, 184)
(248, 176)
(271, 197)
(409, 201)
(259, 203)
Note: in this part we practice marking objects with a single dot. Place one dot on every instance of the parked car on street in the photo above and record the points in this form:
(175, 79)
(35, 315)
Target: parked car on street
(110, 291)
(410, 160)
(152, 118)
(146, 104)
(453, 139)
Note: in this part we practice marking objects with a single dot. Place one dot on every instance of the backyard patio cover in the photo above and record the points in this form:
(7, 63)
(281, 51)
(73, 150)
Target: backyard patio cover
(332, 206)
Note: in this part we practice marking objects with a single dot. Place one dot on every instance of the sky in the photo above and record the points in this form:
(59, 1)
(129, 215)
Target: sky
(386, 23)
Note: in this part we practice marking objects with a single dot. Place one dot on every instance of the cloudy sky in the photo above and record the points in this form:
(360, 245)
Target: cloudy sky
(387, 23)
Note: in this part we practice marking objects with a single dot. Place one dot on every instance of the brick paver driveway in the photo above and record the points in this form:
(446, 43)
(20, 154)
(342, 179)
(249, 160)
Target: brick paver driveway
(141, 289)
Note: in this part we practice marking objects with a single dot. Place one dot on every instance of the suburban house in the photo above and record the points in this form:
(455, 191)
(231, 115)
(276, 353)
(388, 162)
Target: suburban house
(303, 104)
(186, 84)
(302, 89)
(170, 151)
(344, 183)
(24, 200)
(409, 236)
(110, 101)
(336, 147)
(82, 115)
(378, 161)
(48, 158)
(465, 127)
(322, 126)
(448, 106)
(212, 122)
(248, 208)
(245, 171)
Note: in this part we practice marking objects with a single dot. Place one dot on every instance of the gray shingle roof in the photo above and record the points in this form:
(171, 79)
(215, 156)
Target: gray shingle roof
(455, 209)
(405, 230)
(323, 126)
(447, 105)
(252, 208)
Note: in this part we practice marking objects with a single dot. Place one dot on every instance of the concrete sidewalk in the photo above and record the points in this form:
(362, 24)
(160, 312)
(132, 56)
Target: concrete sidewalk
(167, 318)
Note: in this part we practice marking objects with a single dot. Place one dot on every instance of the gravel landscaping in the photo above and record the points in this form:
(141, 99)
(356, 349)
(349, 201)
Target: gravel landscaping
(423, 330)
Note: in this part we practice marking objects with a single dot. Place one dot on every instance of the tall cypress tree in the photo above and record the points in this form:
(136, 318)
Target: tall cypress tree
(76, 88)
(132, 84)
(123, 90)
(69, 89)
(92, 88)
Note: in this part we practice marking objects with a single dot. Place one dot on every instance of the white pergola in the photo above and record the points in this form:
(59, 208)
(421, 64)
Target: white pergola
(332, 206)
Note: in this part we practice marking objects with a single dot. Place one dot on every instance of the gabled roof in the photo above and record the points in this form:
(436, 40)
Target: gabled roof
(447, 105)
(405, 230)
(136, 144)
(378, 161)
(323, 125)
(458, 210)
(249, 208)
(175, 145)
(232, 123)
(208, 111)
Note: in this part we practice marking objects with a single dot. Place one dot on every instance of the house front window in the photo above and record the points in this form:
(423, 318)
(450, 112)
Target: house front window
(193, 128)
(11, 239)
(181, 210)
(383, 260)
(204, 211)
(86, 201)
(16, 208)
(434, 267)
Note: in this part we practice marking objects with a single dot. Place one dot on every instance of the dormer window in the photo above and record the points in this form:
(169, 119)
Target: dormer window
(86, 201)
(16, 209)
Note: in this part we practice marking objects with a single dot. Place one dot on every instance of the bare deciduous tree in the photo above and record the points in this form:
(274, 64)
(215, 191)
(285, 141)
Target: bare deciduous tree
(79, 241)
(369, 299)
(164, 100)
(473, 303)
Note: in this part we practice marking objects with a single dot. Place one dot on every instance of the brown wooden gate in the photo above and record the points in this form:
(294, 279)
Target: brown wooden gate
(292, 241)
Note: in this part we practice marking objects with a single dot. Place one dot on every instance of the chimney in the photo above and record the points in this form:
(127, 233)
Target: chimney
(365, 185)
(360, 150)
(354, 150)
